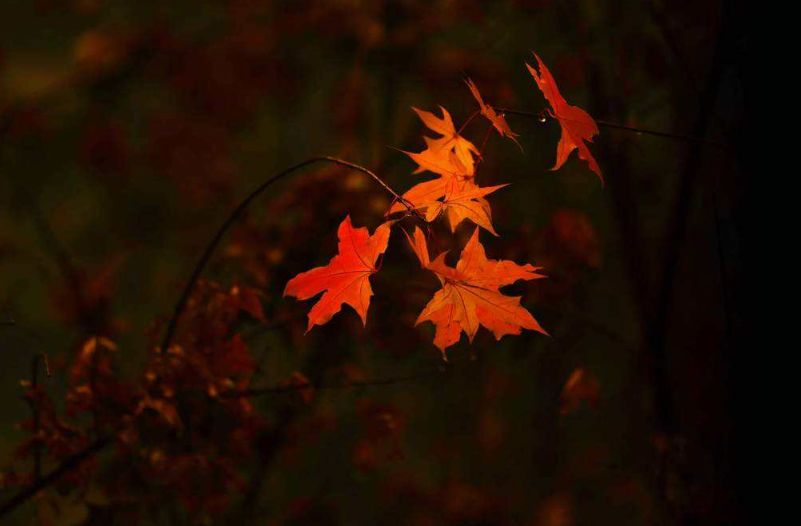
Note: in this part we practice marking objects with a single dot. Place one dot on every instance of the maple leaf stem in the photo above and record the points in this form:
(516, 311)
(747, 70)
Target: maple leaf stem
(544, 116)
(375, 177)
(486, 138)
(470, 118)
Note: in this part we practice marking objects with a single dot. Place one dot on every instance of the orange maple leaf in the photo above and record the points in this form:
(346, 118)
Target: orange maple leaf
(450, 141)
(577, 125)
(456, 199)
(346, 277)
(470, 294)
(497, 119)
(441, 161)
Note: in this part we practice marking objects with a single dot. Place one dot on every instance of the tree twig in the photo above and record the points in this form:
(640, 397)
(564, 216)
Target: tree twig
(37, 445)
(543, 116)
(69, 272)
(70, 463)
(355, 384)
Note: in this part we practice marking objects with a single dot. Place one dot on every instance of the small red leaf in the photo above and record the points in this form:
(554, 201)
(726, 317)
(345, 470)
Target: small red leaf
(577, 125)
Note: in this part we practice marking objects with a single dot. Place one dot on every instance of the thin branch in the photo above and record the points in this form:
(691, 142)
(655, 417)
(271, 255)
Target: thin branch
(469, 119)
(486, 138)
(544, 117)
(291, 388)
(689, 181)
(66, 466)
(37, 445)
(234, 217)
(70, 274)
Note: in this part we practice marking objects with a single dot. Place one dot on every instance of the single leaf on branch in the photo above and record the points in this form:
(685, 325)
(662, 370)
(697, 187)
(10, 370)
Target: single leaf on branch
(346, 277)
(577, 125)
(497, 119)
(470, 295)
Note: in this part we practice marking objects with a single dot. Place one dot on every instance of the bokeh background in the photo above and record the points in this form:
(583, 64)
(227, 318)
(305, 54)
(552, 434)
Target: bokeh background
(130, 130)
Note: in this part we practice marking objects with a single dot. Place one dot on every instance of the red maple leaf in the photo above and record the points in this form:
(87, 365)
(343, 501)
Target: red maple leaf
(577, 125)
(346, 277)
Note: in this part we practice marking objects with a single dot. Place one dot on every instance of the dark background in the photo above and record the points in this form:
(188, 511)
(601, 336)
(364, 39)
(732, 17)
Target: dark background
(130, 130)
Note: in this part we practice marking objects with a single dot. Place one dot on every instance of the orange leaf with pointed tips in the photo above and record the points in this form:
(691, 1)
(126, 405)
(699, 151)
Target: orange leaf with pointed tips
(577, 125)
(497, 119)
(442, 161)
(455, 199)
(346, 277)
(450, 140)
(470, 294)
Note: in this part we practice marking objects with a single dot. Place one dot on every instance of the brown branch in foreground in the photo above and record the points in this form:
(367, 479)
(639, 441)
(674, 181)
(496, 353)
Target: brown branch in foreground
(70, 463)
(544, 116)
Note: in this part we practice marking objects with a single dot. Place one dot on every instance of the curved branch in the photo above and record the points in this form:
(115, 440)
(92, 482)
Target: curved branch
(232, 219)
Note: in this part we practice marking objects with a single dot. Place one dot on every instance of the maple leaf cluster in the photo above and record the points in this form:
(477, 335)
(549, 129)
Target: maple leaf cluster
(470, 296)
